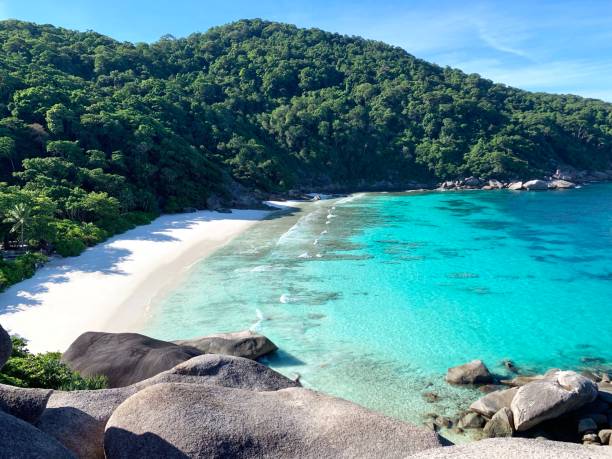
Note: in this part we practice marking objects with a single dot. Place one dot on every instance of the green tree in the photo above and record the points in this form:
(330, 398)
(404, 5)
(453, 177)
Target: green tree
(19, 217)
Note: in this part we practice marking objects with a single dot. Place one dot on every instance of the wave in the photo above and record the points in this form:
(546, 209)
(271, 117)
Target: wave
(350, 198)
(284, 298)
(260, 318)
(304, 255)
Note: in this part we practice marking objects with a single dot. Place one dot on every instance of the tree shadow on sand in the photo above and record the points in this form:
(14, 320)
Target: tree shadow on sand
(106, 258)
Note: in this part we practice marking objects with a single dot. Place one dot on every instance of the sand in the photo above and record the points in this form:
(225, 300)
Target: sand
(112, 286)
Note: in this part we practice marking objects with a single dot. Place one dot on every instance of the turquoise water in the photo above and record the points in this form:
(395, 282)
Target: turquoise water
(373, 297)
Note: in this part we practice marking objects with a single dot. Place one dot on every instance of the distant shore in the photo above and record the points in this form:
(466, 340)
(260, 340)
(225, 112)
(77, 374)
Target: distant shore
(110, 287)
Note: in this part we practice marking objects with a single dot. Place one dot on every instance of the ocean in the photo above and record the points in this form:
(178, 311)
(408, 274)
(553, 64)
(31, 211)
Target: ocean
(373, 296)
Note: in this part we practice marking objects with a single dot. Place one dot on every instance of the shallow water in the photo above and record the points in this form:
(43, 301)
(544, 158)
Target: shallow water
(372, 297)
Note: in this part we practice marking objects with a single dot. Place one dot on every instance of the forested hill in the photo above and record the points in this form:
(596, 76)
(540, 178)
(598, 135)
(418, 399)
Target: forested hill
(261, 106)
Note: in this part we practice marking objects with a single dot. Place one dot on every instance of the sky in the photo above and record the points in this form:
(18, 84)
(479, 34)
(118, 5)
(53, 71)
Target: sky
(562, 46)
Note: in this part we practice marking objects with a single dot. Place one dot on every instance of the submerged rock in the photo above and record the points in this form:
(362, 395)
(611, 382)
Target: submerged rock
(474, 372)
(558, 393)
(6, 346)
(516, 448)
(240, 344)
(493, 402)
(25, 404)
(189, 421)
(123, 358)
(500, 425)
(21, 440)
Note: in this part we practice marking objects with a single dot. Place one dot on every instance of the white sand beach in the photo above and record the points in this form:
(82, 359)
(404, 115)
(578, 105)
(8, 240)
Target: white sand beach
(111, 287)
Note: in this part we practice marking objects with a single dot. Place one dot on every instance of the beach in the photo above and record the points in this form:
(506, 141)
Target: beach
(112, 286)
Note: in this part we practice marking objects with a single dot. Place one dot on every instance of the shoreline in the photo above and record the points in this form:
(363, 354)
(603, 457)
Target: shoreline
(112, 286)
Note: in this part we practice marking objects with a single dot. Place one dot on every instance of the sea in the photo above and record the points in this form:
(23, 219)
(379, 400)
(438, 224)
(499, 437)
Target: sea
(371, 297)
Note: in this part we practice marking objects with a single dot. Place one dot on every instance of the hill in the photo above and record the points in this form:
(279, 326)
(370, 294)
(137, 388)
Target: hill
(97, 135)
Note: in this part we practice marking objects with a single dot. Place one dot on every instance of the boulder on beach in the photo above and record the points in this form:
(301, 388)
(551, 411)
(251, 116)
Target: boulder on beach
(515, 186)
(6, 346)
(474, 372)
(493, 402)
(558, 393)
(124, 358)
(240, 344)
(535, 185)
(188, 421)
(77, 418)
(500, 425)
(516, 448)
(225, 371)
(25, 404)
(21, 440)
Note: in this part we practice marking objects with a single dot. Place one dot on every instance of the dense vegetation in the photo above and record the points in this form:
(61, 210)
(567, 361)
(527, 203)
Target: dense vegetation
(98, 135)
(24, 369)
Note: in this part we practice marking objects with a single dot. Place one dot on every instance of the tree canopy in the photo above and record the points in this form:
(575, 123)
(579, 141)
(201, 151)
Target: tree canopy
(97, 134)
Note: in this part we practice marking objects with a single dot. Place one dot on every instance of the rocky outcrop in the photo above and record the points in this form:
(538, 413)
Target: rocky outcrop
(515, 186)
(124, 358)
(558, 393)
(224, 371)
(6, 347)
(474, 372)
(515, 448)
(493, 402)
(77, 419)
(500, 425)
(186, 420)
(561, 184)
(21, 440)
(471, 421)
(25, 404)
(240, 344)
(535, 185)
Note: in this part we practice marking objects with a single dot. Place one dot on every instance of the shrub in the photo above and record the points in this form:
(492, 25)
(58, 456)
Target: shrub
(24, 369)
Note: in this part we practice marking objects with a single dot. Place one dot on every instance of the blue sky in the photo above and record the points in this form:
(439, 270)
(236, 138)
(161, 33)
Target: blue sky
(555, 46)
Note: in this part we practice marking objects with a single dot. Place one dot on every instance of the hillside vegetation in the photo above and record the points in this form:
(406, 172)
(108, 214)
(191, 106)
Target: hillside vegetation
(98, 135)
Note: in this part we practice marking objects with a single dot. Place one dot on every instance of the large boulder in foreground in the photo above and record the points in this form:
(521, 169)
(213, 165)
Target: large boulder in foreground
(224, 371)
(124, 358)
(474, 372)
(189, 421)
(25, 404)
(77, 418)
(6, 346)
(516, 448)
(493, 402)
(240, 344)
(558, 393)
(20, 440)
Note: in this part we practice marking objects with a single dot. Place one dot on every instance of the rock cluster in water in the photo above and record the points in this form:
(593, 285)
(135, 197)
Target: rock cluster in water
(558, 405)
(215, 405)
(559, 181)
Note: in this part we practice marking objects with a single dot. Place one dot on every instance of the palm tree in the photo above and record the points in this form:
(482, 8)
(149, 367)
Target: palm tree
(19, 217)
